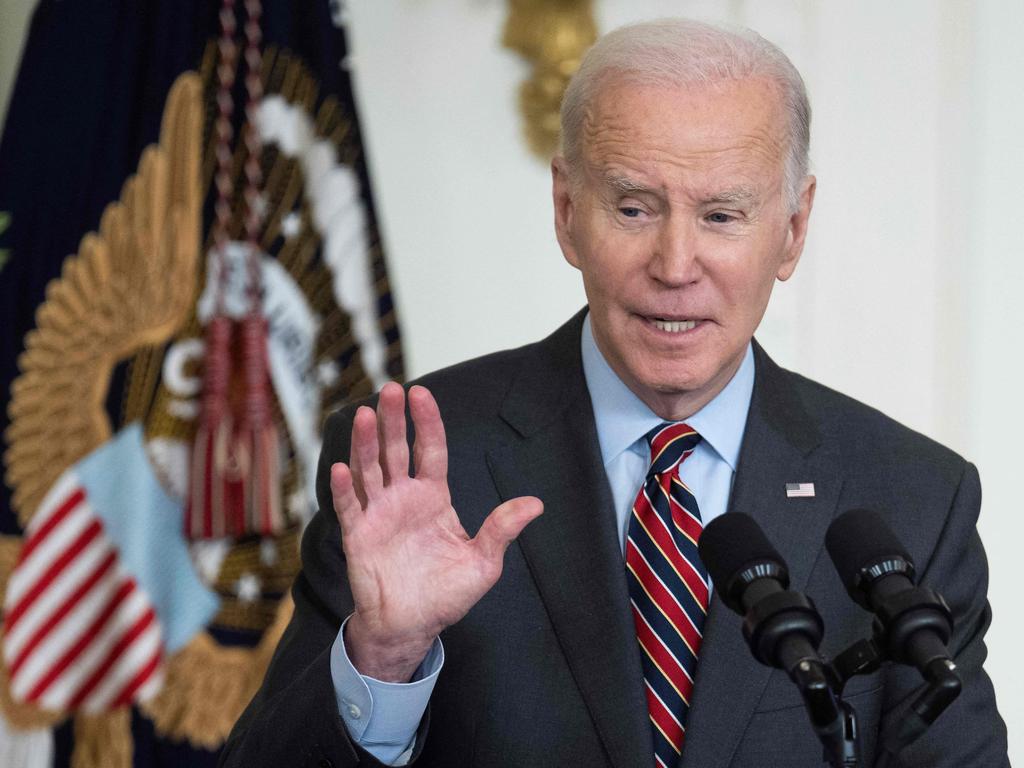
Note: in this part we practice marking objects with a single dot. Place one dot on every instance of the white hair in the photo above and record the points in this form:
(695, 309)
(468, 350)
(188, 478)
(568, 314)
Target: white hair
(682, 52)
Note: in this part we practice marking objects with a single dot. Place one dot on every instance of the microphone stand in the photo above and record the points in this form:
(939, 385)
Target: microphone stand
(833, 719)
(783, 629)
(943, 685)
(821, 685)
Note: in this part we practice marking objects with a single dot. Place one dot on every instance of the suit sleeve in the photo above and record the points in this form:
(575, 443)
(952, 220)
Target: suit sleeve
(971, 731)
(293, 718)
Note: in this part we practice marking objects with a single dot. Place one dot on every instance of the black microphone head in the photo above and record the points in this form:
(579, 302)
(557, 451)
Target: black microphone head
(863, 548)
(735, 551)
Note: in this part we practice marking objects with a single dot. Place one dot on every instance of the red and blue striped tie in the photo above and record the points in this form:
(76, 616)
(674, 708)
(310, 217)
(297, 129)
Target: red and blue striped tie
(668, 587)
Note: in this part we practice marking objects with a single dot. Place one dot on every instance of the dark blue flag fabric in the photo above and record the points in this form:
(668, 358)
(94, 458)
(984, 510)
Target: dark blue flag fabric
(187, 287)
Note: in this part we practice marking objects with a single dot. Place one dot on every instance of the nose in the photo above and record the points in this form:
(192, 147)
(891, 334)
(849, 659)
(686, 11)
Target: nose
(676, 261)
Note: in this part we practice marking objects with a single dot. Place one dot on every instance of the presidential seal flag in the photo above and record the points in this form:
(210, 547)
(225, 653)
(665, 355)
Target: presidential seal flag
(191, 279)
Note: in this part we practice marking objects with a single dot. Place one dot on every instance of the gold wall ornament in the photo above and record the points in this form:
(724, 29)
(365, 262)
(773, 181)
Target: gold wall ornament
(552, 35)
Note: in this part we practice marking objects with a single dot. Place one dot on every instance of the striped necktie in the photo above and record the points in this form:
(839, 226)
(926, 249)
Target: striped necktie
(668, 587)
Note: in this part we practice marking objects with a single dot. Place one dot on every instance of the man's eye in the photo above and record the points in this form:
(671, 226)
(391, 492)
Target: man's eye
(719, 218)
(630, 212)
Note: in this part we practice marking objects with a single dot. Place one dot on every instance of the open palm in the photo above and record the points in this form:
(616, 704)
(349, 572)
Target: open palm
(412, 568)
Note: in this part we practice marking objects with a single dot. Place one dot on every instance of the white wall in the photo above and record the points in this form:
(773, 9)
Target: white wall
(993, 266)
(905, 297)
(466, 212)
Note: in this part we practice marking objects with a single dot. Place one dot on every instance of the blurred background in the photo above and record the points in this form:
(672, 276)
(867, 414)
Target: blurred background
(908, 293)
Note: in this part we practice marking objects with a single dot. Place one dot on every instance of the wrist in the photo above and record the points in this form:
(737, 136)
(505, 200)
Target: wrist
(381, 656)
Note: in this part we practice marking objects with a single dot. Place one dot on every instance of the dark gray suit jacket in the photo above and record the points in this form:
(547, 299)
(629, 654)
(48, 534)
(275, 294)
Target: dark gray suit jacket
(545, 669)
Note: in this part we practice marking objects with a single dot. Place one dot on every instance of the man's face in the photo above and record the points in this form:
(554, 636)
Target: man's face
(679, 224)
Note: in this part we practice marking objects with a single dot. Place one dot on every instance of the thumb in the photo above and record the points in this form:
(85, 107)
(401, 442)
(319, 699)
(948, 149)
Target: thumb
(505, 523)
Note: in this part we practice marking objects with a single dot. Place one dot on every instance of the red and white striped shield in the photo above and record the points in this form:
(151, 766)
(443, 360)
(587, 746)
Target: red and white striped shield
(78, 631)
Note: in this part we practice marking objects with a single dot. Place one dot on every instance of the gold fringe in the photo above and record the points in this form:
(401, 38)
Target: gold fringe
(103, 741)
(10, 548)
(208, 686)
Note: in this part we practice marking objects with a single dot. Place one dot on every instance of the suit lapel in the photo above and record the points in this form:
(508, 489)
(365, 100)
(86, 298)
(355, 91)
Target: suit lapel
(572, 550)
(781, 444)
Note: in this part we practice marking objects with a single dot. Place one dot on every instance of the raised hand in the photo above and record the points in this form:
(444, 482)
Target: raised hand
(412, 568)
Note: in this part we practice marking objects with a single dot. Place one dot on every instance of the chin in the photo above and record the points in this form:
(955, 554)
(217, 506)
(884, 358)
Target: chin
(675, 382)
(675, 373)
(679, 386)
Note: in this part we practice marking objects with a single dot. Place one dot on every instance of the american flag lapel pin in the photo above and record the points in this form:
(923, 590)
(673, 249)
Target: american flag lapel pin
(799, 490)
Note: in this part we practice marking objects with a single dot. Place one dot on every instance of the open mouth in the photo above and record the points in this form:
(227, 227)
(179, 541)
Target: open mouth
(673, 326)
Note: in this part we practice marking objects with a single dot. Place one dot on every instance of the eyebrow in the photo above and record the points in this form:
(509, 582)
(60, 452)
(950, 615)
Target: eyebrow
(734, 195)
(624, 184)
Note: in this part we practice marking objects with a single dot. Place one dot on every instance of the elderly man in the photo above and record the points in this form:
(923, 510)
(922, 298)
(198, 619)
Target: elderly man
(427, 629)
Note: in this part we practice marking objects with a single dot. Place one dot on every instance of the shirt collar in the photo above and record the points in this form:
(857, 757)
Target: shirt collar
(622, 418)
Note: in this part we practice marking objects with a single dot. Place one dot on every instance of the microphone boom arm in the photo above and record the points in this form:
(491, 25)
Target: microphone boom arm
(792, 616)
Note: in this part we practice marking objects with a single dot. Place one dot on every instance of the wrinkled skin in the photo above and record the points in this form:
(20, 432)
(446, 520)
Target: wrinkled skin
(678, 213)
(412, 568)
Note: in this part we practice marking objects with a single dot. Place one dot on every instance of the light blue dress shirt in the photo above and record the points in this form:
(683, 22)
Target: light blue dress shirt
(623, 419)
(383, 717)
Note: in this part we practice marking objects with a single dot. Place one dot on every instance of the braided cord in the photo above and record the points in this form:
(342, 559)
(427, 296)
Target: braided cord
(254, 204)
(224, 133)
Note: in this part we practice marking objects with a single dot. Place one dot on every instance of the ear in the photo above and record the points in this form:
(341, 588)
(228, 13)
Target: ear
(797, 229)
(565, 213)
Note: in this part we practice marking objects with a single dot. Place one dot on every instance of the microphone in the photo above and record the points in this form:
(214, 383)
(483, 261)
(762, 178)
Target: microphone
(914, 623)
(782, 628)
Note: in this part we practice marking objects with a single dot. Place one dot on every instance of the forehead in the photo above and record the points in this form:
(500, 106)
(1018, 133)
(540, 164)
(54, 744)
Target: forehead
(726, 132)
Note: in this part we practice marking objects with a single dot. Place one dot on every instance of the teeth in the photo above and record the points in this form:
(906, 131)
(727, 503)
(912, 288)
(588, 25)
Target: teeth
(675, 327)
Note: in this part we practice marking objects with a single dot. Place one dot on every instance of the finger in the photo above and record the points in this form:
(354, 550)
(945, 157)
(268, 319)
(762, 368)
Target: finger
(430, 453)
(369, 481)
(394, 450)
(353, 464)
(503, 525)
(343, 495)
